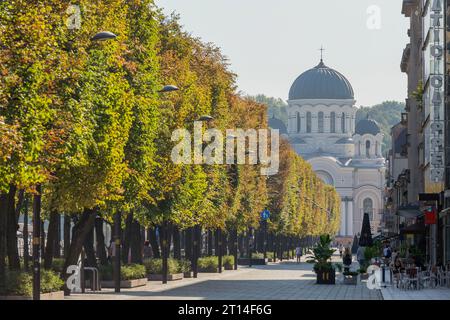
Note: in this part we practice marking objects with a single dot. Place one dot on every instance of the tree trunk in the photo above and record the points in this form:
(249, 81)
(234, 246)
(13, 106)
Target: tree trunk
(89, 248)
(26, 251)
(210, 243)
(241, 245)
(20, 199)
(151, 234)
(80, 231)
(176, 243)
(169, 236)
(136, 243)
(51, 239)
(57, 250)
(67, 227)
(100, 245)
(188, 244)
(127, 238)
(3, 250)
(11, 233)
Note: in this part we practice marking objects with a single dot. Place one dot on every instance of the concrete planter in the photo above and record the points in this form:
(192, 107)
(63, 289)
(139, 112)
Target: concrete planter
(188, 274)
(255, 262)
(208, 271)
(170, 277)
(126, 284)
(227, 267)
(58, 295)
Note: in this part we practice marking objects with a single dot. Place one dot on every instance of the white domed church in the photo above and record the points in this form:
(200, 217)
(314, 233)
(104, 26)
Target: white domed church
(322, 129)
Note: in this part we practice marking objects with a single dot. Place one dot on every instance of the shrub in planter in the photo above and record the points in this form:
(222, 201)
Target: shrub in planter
(257, 255)
(127, 272)
(154, 266)
(228, 262)
(208, 264)
(184, 266)
(21, 283)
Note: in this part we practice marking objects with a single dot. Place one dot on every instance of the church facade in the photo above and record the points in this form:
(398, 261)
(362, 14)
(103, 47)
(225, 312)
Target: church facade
(348, 155)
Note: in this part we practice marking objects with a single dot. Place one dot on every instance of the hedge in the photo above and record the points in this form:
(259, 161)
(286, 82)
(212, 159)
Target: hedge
(19, 283)
(127, 272)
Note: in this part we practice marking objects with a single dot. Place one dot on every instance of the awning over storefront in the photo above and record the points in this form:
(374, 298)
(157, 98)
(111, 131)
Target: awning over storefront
(417, 228)
(409, 212)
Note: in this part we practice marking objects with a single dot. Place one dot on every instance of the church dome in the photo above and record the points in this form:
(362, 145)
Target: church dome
(275, 123)
(321, 82)
(367, 126)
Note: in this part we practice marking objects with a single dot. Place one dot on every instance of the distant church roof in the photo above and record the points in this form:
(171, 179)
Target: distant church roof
(345, 141)
(275, 123)
(367, 126)
(297, 140)
(321, 82)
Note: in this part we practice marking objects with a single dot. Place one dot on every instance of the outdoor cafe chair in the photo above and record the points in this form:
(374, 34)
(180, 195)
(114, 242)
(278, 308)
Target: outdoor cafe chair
(412, 279)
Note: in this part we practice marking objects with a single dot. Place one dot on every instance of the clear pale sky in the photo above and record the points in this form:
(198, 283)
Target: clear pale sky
(270, 43)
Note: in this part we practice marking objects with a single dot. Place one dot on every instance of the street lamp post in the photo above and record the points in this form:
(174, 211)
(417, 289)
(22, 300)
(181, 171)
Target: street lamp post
(164, 252)
(219, 251)
(197, 227)
(117, 251)
(235, 248)
(37, 243)
(164, 234)
(249, 247)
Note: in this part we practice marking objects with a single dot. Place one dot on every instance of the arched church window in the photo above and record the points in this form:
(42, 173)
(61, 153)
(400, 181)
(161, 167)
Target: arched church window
(321, 122)
(333, 122)
(299, 124)
(368, 207)
(344, 129)
(308, 122)
(368, 149)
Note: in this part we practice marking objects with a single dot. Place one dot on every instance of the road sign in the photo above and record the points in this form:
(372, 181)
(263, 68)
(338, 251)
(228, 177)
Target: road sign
(265, 215)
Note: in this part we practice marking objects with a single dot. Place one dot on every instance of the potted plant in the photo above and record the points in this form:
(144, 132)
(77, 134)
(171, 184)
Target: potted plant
(321, 257)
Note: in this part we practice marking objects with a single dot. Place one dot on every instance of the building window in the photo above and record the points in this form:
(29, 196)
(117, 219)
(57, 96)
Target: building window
(299, 124)
(321, 122)
(333, 122)
(344, 129)
(368, 149)
(308, 122)
(368, 208)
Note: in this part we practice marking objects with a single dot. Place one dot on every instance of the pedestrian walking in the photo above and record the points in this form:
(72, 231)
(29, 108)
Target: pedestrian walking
(299, 253)
(347, 259)
(360, 256)
(147, 252)
(387, 253)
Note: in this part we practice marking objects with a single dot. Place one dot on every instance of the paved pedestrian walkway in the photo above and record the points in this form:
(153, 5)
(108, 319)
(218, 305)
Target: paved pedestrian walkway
(391, 293)
(276, 281)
